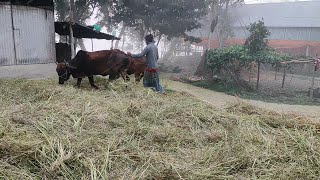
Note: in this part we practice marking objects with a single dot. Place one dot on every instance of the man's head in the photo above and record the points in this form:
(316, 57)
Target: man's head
(149, 38)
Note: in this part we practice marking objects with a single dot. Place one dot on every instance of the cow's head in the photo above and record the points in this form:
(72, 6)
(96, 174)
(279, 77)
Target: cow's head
(63, 70)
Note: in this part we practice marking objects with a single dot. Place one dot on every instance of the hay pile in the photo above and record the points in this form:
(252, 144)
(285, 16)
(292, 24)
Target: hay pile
(53, 132)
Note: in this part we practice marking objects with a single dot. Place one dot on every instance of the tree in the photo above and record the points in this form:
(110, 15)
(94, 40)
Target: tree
(161, 17)
(257, 43)
(230, 61)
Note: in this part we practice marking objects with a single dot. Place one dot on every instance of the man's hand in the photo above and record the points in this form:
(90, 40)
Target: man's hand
(129, 53)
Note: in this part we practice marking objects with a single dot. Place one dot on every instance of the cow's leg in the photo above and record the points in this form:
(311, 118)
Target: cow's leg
(127, 78)
(137, 78)
(124, 75)
(91, 81)
(79, 82)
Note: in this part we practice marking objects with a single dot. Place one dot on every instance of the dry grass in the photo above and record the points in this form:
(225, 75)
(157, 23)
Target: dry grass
(53, 132)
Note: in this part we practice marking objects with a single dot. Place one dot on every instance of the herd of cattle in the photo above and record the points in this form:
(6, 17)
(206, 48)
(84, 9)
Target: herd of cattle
(114, 63)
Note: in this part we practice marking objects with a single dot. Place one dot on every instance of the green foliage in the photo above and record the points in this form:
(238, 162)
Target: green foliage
(161, 17)
(234, 59)
(61, 8)
(219, 58)
(257, 39)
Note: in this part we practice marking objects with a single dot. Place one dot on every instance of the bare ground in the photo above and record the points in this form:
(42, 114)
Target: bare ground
(35, 71)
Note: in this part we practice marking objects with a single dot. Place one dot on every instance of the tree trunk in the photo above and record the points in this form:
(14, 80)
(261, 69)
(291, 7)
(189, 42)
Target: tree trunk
(258, 76)
(202, 69)
(213, 21)
(221, 33)
(122, 31)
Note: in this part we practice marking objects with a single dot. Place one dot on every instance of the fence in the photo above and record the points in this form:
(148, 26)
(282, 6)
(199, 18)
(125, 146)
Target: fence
(296, 78)
(312, 51)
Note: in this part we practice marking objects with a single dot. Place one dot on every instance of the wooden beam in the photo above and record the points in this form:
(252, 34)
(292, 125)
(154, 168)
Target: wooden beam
(299, 61)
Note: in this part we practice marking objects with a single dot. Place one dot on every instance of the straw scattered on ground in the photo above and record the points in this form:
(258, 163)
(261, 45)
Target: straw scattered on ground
(49, 131)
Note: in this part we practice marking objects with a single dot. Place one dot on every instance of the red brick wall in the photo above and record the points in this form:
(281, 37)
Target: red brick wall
(292, 47)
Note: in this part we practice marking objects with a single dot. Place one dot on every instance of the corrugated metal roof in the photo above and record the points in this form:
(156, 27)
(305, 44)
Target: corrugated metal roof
(284, 14)
(35, 3)
(79, 31)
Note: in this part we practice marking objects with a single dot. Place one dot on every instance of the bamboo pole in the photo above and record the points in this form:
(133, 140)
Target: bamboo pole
(258, 76)
(71, 28)
(312, 84)
(284, 76)
(92, 45)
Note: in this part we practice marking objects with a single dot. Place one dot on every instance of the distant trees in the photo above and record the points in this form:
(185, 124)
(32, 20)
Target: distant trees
(161, 17)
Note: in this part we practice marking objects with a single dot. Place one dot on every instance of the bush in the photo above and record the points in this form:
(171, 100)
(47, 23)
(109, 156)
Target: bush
(229, 62)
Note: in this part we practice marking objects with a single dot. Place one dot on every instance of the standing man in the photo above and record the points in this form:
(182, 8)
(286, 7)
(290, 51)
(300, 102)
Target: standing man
(151, 76)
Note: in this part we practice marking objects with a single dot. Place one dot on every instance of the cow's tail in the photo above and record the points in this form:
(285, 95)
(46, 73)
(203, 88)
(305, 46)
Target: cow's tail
(125, 68)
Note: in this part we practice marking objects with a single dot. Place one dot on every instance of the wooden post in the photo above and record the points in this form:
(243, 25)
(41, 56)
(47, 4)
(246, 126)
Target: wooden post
(258, 76)
(308, 51)
(112, 44)
(312, 84)
(284, 75)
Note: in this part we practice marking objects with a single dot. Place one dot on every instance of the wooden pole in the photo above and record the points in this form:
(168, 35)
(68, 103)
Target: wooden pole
(312, 84)
(112, 44)
(258, 76)
(91, 45)
(71, 28)
(284, 76)
(308, 50)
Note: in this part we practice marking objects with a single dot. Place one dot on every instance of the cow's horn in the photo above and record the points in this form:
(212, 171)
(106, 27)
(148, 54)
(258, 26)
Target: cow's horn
(69, 66)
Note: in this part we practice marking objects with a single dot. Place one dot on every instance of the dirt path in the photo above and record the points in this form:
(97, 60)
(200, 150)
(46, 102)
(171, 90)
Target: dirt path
(34, 71)
(220, 100)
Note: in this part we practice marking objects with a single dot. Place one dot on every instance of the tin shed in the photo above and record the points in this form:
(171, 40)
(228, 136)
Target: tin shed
(27, 33)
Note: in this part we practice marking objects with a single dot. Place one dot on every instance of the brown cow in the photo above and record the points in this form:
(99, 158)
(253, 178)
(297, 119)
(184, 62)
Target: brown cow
(136, 67)
(87, 64)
